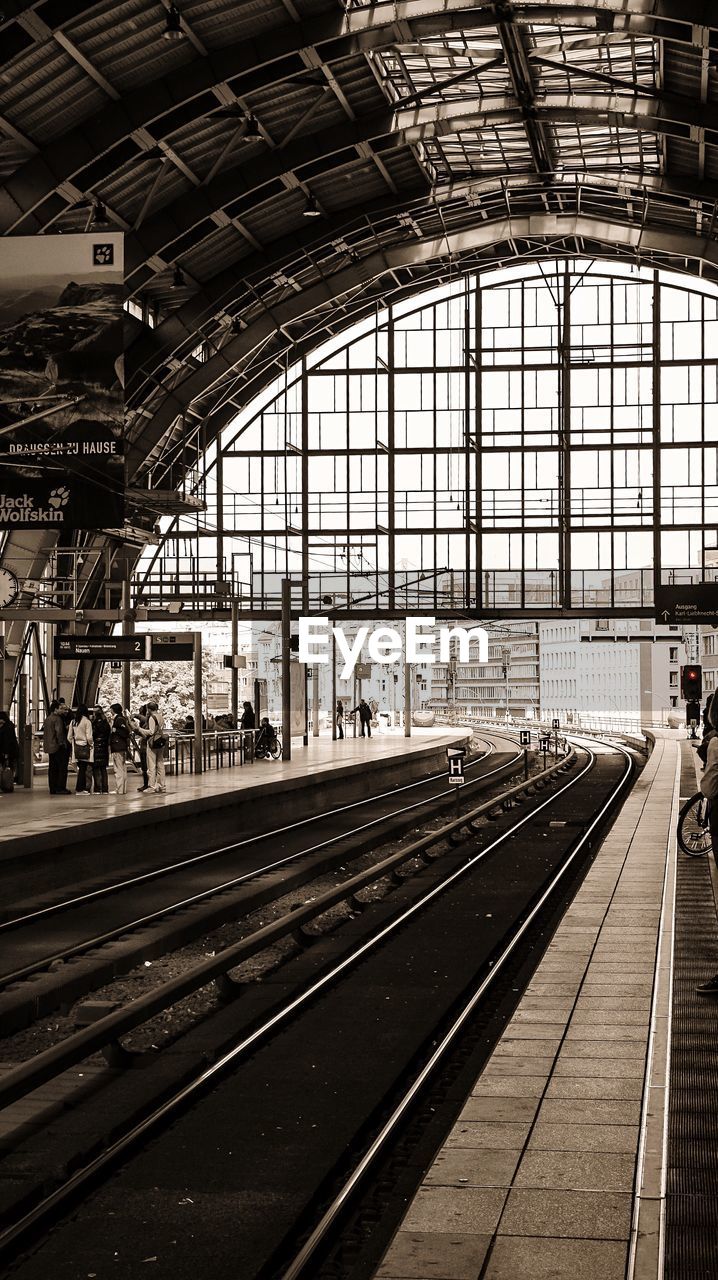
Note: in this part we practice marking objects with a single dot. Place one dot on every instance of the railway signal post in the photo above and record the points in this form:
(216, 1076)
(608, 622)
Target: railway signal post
(456, 779)
(525, 742)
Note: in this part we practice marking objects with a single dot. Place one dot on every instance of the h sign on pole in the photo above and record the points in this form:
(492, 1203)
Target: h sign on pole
(455, 757)
(525, 742)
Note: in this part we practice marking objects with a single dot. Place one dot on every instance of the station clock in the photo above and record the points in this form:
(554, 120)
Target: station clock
(9, 588)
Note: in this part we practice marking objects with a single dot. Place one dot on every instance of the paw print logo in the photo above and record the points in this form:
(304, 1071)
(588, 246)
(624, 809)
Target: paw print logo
(103, 255)
(59, 498)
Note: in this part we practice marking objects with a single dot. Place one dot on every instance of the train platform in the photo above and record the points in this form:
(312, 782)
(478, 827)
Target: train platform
(33, 821)
(587, 1148)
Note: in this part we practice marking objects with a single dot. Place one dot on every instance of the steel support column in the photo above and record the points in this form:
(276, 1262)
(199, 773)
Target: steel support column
(478, 469)
(305, 488)
(220, 515)
(286, 676)
(391, 461)
(467, 450)
(656, 424)
(564, 549)
(128, 627)
(198, 709)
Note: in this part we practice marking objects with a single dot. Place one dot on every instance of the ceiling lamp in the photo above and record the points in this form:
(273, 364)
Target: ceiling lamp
(252, 129)
(178, 280)
(311, 208)
(173, 29)
(98, 216)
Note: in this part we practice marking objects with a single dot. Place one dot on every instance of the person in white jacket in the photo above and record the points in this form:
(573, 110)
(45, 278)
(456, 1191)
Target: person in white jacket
(81, 740)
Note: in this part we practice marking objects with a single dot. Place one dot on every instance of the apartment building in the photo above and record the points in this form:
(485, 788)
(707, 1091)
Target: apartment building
(596, 671)
(507, 685)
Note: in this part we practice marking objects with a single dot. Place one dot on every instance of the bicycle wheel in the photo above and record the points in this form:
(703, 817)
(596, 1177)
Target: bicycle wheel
(694, 836)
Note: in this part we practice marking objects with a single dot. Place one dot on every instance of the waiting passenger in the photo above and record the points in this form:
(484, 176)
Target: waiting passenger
(709, 787)
(364, 716)
(81, 741)
(156, 743)
(266, 740)
(54, 740)
(119, 747)
(101, 753)
(340, 719)
(9, 750)
(140, 744)
(248, 724)
(708, 731)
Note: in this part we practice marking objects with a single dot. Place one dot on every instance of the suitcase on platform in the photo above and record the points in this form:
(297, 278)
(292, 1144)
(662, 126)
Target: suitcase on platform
(7, 779)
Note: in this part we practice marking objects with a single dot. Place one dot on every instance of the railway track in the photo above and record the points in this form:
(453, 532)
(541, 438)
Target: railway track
(428, 954)
(147, 914)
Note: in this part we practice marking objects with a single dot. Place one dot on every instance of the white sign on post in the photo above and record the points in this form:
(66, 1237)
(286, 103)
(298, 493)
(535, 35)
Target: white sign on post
(456, 771)
(455, 757)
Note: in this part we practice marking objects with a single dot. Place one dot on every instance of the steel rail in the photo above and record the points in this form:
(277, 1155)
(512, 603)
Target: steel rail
(90, 944)
(298, 1266)
(190, 1092)
(44, 1066)
(158, 872)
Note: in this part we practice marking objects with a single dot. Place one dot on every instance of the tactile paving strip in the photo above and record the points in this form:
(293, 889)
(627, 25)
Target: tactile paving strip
(692, 1183)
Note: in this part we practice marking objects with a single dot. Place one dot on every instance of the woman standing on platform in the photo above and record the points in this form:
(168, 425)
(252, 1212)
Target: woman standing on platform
(119, 745)
(81, 741)
(340, 719)
(248, 723)
(101, 759)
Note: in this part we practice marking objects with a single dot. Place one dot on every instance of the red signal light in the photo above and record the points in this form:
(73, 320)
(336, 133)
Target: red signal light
(692, 683)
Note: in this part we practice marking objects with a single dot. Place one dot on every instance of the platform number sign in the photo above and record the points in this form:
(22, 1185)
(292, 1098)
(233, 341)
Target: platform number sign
(524, 737)
(555, 724)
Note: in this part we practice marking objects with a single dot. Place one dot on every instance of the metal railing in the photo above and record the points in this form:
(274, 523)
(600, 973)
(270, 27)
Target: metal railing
(221, 749)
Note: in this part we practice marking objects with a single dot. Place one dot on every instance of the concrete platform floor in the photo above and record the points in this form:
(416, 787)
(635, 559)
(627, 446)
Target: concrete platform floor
(34, 811)
(553, 1170)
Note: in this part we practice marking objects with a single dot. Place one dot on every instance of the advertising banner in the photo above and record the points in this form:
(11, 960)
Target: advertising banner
(61, 381)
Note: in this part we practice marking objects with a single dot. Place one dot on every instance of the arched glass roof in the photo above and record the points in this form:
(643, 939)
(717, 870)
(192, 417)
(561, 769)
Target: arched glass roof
(535, 440)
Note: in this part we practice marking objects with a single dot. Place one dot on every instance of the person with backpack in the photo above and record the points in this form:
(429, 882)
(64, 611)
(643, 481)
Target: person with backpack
(141, 744)
(119, 747)
(156, 743)
(54, 740)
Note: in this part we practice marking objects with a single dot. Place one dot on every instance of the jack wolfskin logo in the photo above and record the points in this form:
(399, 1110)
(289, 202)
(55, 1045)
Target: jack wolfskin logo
(103, 255)
(59, 498)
